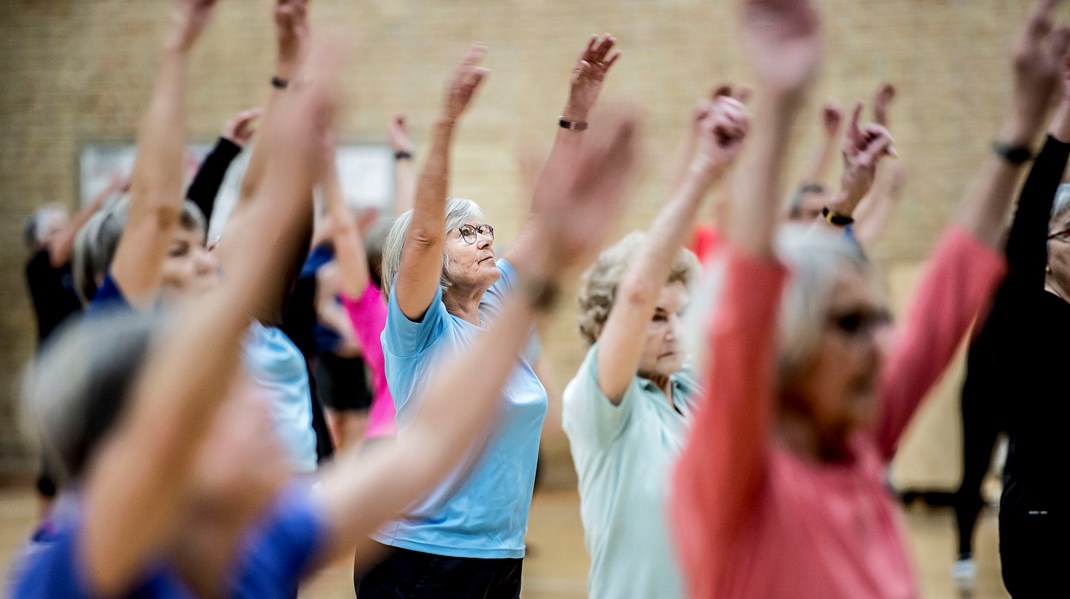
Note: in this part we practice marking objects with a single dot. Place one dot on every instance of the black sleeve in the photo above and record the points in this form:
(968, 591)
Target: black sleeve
(1027, 243)
(205, 186)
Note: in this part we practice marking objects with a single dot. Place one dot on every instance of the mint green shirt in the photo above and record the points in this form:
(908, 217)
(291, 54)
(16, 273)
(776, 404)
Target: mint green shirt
(624, 456)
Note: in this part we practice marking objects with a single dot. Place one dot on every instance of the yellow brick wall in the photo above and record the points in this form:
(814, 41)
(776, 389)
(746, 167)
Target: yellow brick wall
(72, 71)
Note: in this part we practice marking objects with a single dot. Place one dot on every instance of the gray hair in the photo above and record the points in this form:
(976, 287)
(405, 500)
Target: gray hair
(1062, 201)
(458, 212)
(97, 241)
(598, 286)
(31, 231)
(79, 386)
(817, 260)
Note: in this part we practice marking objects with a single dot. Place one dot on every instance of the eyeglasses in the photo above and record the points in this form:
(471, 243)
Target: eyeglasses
(859, 323)
(470, 233)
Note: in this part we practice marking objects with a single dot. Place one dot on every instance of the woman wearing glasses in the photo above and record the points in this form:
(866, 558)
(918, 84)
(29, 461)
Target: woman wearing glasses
(1013, 374)
(445, 284)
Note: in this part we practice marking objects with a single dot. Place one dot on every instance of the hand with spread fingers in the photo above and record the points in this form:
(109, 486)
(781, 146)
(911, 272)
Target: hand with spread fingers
(589, 74)
(466, 79)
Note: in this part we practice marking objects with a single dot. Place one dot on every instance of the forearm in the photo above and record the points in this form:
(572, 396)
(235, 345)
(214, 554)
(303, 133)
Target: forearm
(404, 185)
(756, 201)
(817, 173)
(204, 188)
(348, 247)
(59, 253)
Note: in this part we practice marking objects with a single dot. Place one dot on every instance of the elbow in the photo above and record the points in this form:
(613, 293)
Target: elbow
(420, 236)
(635, 292)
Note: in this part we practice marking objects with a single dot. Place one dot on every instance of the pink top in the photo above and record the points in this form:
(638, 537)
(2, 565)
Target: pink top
(753, 519)
(368, 315)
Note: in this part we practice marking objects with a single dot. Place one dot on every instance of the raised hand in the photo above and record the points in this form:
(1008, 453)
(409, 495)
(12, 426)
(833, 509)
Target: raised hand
(1038, 60)
(782, 42)
(582, 199)
(398, 132)
(588, 74)
(240, 129)
(863, 147)
(721, 132)
(189, 18)
(832, 118)
(462, 86)
(881, 101)
(291, 29)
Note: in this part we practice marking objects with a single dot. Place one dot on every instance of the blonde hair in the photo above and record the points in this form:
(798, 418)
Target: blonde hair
(598, 286)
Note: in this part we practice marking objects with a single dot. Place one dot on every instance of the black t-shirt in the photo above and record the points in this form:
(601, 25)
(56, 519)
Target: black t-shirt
(52, 292)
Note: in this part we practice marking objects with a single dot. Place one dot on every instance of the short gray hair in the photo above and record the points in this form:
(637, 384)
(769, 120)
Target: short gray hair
(598, 286)
(79, 386)
(458, 212)
(1062, 201)
(817, 260)
(31, 231)
(97, 241)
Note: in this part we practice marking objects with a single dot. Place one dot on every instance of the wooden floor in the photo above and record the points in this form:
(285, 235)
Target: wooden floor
(556, 566)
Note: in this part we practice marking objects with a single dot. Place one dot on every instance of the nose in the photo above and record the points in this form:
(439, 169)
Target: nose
(484, 241)
(204, 262)
(673, 328)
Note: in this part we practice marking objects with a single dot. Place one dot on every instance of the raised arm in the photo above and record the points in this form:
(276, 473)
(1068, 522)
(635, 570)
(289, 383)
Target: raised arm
(421, 256)
(863, 148)
(133, 494)
(404, 166)
(875, 211)
(1027, 243)
(291, 25)
(60, 249)
(586, 84)
(620, 344)
(831, 125)
(348, 246)
(156, 182)
(966, 268)
(204, 188)
(722, 466)
(359, 493)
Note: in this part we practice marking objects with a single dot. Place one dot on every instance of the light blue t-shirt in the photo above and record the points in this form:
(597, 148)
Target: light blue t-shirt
(480, 510)
(278, 367)
(623, 456)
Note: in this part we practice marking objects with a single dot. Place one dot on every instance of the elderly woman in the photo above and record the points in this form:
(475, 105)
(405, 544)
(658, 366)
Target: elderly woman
(1011, 383)
(626, 412)
(780, 489)
(444, 285)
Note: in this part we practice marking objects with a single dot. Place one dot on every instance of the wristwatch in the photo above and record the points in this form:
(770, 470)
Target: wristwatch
(572, 125)
(835, 218)
(1012, 154)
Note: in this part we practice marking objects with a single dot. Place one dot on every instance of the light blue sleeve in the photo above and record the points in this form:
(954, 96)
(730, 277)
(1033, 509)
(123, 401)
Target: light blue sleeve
(588, 417)
(405, 338)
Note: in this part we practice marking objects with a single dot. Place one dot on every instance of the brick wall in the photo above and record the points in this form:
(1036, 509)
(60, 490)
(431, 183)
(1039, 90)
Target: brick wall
(74, 71)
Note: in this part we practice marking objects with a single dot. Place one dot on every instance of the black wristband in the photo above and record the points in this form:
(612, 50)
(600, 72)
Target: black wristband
(279, 83)
(402, 155)
(1012, 154)
(572, 125)
(835, 218)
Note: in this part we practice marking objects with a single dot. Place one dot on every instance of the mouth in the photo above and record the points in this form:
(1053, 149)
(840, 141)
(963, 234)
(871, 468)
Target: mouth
(485, 259)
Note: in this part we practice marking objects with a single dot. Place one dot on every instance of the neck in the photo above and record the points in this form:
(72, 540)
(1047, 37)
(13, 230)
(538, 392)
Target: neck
(806, 439)
(661, 380)
(1052, 285)
(463, 302)
(206, 551)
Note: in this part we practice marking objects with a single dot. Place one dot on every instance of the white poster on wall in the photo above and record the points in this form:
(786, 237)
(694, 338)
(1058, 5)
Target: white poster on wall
(366, 171)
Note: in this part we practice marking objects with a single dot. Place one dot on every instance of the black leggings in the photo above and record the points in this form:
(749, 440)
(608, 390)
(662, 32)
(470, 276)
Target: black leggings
(412, 574)
(981, 424)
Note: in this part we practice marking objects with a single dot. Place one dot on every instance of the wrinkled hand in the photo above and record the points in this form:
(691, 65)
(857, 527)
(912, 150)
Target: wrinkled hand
(189, 18)
(721, 132)
(240, 129)
(863, 147)
(1038, 61)
(582, 199)
(832, 118)
(398, 132)
(881, 101)
(782, 42)
(588, 74)
(702, 107)
(291, 28)
(466, 79)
